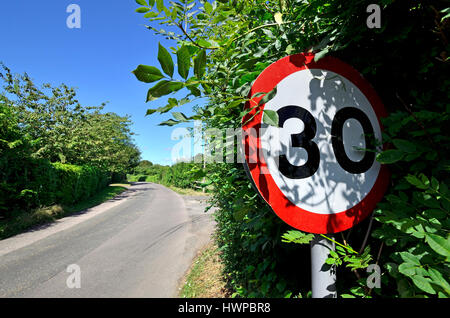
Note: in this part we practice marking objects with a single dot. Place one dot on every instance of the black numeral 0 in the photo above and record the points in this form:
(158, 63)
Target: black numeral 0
(338, 144)
(304, 140)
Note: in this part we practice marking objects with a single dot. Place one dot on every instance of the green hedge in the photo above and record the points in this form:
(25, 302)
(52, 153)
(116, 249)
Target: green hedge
(182, 175)
(27, 182)
(41, 183)
(75, 183)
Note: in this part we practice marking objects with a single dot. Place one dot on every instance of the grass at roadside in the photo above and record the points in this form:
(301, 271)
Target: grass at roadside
(186, 191)
(204, 278)
(22, 221)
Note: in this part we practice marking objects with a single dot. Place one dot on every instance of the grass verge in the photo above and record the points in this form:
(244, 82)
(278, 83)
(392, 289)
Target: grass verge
(187, 191)
(25, 220)
(204, 278)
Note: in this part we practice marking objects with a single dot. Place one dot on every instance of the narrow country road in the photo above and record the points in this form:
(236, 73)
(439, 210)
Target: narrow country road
(139, 244)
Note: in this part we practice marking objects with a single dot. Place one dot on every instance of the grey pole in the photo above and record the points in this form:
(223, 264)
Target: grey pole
(323, 276)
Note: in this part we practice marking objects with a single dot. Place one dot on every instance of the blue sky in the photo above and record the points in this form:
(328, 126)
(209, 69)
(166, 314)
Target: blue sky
(96, 59)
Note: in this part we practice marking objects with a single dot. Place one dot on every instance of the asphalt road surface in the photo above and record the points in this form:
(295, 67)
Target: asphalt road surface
(139, 244)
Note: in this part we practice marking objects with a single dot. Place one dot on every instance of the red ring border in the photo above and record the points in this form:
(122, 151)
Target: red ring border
(291, 214)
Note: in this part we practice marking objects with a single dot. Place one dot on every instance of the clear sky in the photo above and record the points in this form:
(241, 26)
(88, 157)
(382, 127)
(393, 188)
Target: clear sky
(97, 59)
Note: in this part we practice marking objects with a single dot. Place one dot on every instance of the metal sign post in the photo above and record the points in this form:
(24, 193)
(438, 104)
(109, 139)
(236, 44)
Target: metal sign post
(323, 276)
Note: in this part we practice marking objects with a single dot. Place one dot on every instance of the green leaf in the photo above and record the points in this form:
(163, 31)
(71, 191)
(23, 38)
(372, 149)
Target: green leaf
(435, 213)
(358, 291)
(296, 237)
(194, 90)
(150, 14)
(163, 88)
(321, 54)
(333, 254)
(172, 102)
(165, 59)
(169, 122)
(341, 250)
(150, 111)
(289, 49)
(439, 244)
(447, 11)
(278, 18)
(200, 64)
(208, 7)
(142, 10)
(142, 2)
(423, 284)
(407, 269)
(416, 182)
(404, 145)
(438, 279)
(160, 5)
(410, 258)
(434, 184)
(270, 117)
(270, 95)
(184, 61)
(147, 74)
(390, 156)
(204, 43)
(179, 116)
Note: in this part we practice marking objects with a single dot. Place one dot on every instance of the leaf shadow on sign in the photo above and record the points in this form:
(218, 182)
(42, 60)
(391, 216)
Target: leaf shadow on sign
(325, 92)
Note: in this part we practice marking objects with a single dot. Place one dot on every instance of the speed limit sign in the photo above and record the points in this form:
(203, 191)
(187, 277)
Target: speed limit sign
(317, 168)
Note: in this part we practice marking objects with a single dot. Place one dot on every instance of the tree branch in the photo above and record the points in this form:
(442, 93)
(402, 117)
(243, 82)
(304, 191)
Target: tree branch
(194, 42)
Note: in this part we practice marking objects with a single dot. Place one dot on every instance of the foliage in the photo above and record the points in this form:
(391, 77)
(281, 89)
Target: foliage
(182, 174)
(62, 130)
(415, 228)
(75, 183)
(55, 151)
(229, 43)
(37, 182)
(13, 147)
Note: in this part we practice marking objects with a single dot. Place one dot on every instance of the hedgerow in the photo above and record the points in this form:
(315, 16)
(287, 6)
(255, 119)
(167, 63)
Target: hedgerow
(181, 175)
(28, 181)
(53, 150)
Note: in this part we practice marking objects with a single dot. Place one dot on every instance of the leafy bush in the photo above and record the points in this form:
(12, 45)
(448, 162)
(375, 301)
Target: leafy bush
(27, 182)
(228, 43)
(60, 129)
(14, 148)
(181, 175)
(53, 150)
(75, 183)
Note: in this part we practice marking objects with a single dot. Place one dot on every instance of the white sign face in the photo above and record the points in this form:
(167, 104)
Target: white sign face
(322, 94)
(317, 169)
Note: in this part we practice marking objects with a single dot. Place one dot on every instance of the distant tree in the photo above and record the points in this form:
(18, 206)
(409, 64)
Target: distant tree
(62, 130)
(145, 163)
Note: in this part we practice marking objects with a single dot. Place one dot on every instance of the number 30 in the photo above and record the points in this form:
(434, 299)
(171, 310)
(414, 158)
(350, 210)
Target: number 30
(304, 140)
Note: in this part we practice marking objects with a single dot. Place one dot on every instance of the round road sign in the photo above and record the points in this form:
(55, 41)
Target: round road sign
(314, 169)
